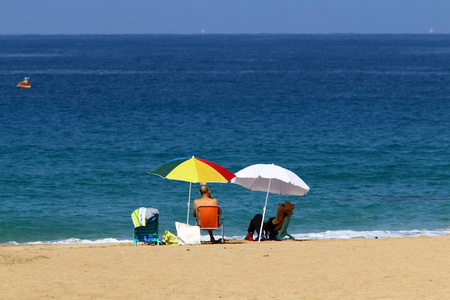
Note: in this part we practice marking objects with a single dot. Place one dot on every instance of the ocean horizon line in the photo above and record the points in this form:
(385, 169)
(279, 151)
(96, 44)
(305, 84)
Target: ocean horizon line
(219, 33)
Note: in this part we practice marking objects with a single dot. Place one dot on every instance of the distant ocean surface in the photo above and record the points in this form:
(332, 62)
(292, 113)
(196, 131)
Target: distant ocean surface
(364, 120)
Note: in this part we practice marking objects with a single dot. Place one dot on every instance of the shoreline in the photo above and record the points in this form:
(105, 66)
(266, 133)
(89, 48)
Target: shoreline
(326, 235)
(394, 268)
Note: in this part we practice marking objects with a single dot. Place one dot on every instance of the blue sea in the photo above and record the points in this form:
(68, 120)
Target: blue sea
(364, 120)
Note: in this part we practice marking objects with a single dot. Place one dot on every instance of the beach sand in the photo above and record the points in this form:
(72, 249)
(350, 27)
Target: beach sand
(385, 268)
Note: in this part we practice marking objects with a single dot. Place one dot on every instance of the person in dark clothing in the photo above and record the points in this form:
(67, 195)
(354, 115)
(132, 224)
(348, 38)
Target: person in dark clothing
(273, 225)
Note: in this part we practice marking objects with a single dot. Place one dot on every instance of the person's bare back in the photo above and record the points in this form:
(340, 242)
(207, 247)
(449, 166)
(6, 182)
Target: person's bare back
(206, 199)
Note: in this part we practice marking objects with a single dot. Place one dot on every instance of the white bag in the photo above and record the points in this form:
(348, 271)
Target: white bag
(187, 234)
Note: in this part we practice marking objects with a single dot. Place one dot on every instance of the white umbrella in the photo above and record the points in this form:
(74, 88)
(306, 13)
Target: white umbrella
(270, 178)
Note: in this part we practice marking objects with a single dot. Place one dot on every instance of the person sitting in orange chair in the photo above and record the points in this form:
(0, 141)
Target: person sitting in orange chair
(206, 199)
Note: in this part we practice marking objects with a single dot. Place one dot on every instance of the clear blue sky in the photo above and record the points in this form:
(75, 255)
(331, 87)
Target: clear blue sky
(225, 16)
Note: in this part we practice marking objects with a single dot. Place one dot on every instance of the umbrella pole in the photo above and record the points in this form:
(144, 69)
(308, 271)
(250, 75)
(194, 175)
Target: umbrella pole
(264, 211)
(189, 202)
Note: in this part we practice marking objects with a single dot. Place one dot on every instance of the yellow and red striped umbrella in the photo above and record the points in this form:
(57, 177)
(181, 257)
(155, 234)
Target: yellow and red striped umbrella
(192, 169)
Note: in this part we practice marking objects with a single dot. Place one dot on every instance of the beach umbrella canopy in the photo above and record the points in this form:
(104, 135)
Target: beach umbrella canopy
(270, 178)
(193, 170)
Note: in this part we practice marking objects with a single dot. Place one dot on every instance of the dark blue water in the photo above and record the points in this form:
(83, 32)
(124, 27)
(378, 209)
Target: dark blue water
(362, 119)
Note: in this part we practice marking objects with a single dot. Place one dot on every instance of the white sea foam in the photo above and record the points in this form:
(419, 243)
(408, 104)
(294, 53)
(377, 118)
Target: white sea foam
(331, 234)
(350, 234)
(75, 241)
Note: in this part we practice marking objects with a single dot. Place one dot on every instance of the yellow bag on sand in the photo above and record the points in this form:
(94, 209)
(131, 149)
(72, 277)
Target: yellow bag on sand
(170, 238)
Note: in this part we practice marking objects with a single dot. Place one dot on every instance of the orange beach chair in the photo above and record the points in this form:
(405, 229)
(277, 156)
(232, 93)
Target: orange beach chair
(208, 218)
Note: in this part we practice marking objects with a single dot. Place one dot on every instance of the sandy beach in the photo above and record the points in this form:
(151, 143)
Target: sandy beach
(387, 268)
